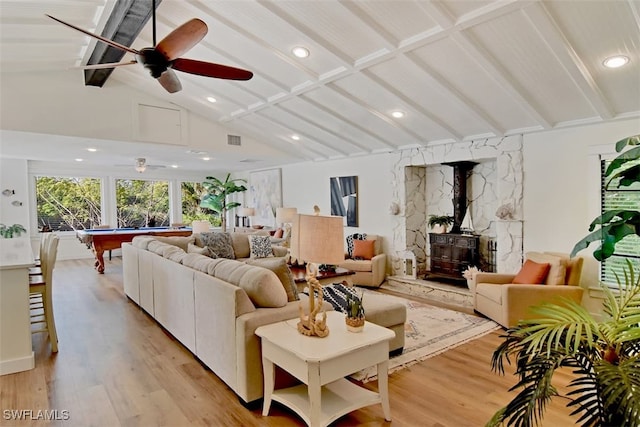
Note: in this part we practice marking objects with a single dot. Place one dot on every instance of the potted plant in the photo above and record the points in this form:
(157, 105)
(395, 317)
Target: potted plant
(355, 313)
(603, 354)
(14, 230)
(216, 197)
(439, 223)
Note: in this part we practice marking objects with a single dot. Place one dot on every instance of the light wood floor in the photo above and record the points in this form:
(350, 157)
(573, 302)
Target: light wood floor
(117, 367)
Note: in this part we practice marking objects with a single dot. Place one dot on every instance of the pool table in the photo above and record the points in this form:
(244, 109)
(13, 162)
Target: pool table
(106, 239)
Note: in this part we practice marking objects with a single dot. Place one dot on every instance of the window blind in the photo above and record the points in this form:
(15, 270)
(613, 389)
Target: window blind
(614, 198)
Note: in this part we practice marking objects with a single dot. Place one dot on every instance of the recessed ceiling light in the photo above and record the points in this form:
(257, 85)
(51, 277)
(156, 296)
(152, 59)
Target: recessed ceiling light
(174, 166)
(295, 137)
(79, 160)
(206, 158)
(93, 150)
(211, 99)
(397, 114)
(300, 52)
(616, 61)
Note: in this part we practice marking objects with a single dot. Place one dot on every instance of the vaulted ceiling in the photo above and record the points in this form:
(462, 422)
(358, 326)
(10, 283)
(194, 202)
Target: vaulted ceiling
(458, 70)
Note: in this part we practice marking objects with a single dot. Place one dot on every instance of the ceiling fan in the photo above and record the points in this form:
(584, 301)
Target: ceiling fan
(164, 57)
(141, 165)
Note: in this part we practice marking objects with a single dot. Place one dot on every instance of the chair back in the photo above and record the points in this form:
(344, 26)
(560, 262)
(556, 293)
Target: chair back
(49, 261)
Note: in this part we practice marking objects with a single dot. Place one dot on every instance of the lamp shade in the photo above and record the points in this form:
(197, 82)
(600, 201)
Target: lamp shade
(285, 215)
(200, 227)
(318, 239)
(246, 212)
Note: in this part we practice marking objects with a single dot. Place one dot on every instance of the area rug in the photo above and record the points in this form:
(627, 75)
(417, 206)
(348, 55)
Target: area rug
(429, 331)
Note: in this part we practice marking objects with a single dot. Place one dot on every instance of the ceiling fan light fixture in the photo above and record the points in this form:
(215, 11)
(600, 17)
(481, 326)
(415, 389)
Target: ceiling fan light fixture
(616, 61)
(300, 51)
(141, 165)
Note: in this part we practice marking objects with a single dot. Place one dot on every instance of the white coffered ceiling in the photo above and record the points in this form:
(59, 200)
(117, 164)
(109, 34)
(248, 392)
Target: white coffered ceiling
(459, 70)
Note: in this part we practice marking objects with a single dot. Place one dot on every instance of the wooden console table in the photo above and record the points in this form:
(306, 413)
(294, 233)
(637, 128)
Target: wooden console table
(451, 254)
(324, 277)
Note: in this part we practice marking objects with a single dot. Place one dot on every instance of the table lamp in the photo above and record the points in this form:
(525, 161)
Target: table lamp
(285, 217)
(317, 240)
(200, 227)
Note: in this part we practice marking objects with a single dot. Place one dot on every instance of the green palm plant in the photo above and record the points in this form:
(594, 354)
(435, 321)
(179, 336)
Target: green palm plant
(604, 357)
(217, 192)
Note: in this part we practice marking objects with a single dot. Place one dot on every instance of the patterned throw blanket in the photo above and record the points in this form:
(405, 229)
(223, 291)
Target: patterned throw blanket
(336, 294)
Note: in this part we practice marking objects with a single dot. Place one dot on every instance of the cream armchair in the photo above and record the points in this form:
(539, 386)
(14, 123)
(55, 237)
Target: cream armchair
(369, 272)
(497, 298)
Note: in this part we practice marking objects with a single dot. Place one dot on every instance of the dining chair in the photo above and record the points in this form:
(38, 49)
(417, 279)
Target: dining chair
(41, 295)
(44, 241)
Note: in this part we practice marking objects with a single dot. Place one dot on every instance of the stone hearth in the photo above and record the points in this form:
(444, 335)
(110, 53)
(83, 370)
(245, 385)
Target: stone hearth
(451, 295)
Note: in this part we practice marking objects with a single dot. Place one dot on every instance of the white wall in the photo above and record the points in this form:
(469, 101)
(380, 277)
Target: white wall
(307, 184)
(561, 186)
(13, 176)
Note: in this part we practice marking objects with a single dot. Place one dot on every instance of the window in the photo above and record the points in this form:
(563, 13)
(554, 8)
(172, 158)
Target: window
(67, 204)
(612, 198)
(192, 193)
(141, 203)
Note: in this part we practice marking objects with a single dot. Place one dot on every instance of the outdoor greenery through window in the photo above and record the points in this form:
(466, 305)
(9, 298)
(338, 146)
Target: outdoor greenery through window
(192, 193)
(613, 198)
(141, 203)
(67, 204)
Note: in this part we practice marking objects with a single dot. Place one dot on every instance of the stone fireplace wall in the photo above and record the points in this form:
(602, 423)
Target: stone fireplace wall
(423, 186)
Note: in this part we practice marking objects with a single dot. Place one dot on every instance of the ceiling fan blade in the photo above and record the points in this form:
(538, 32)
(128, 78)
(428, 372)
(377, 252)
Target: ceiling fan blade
(108, 65)
(209, 69)
(95, 36)
(183, 38)
(169, 80)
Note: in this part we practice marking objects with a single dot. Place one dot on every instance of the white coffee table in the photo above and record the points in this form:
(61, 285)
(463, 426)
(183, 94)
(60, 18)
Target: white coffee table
(321, 364)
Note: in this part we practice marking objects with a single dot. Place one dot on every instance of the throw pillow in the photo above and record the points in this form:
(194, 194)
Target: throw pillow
(279, 233)
(532, 273)
(219, 244)
(351, 238)
(179, 241)
(363, 249)
(279, 266)
(557, 270)
(260, 246)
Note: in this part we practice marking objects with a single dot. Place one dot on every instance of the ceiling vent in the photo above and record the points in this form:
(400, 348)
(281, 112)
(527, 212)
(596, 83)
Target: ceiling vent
(234, 140)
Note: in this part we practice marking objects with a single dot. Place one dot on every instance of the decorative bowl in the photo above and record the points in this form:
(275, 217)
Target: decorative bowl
(258, 227)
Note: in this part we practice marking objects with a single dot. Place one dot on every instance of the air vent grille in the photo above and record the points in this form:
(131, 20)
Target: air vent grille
(233, 140)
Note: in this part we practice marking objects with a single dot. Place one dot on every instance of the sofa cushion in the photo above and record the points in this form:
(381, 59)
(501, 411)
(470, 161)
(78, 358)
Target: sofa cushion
(142, 242)
(557, 271)
(280, 268)
(157, 247)
(220, 244)
(260, 246)
(195, 249)
(180, 241)
(198, 262)
(240, 242)
(532, 273)
(261, 285)
(363, 249)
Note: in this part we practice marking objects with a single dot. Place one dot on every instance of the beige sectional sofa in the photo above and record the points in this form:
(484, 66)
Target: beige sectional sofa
(213, 306)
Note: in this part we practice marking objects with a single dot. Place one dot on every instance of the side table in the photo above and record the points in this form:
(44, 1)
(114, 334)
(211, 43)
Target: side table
(321, 364)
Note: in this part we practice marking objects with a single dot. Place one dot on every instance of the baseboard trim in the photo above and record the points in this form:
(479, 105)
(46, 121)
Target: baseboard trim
(12, 366)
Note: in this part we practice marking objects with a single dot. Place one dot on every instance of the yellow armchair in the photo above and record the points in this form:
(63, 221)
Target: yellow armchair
(507, 303)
